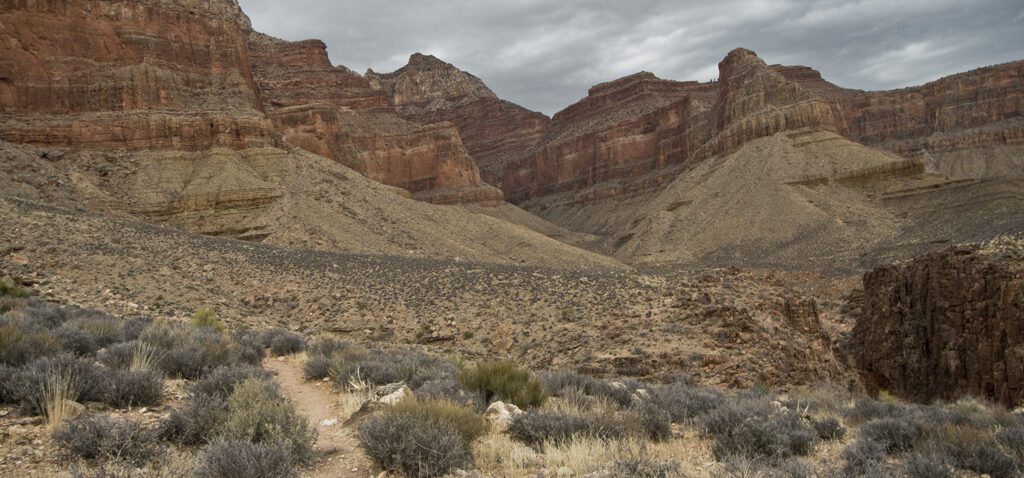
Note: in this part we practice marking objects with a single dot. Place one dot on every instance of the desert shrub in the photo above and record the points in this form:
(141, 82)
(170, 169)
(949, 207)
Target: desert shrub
(864, 458)
(166, 334)
(196, 421)
(207, 318)
(250, 348)
(451, 390)
(896, 435)
(133, 387)
(653, 422)
(34, 381)
(829, 428)
(927, 465)
(866, 409)
(76, 341)
(203, 351)
(317, 367)
(504, 381)
(9, 382)
(538, 427)
(974, 449)
(381, 368)
(1013, 439)
(685, 402)
(117, 356)
(412, 446)
(42, 314)
(561, 382)
(21, 343)
(466, 421)
(776, 436)
(643, 467)
(8, 290)
(257, 413)
(244, 459)
(102, 328)
(287, 343)
(222, 381)
(731, 413)
(789, 469)
(105, 438)
(131, 328)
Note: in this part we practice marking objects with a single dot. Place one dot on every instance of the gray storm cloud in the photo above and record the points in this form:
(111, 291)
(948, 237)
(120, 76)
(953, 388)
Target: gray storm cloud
(544, 54)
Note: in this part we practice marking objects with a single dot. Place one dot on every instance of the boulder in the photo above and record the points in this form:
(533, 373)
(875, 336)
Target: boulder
(501, 414)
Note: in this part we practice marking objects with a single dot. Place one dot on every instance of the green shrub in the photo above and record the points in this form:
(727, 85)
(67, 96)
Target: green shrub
(222, 381)
(203, 351)
(829, 428)
(257, 413)
(467, 422)
(413, 446)
(504, 381)
(196, 421)
(287, 343)
(13, 291)
(105, 438)
(317, 367)
(244, 459)
(207, 317)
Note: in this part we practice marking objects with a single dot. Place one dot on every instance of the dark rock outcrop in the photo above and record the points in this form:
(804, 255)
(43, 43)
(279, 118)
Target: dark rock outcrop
(944, 325)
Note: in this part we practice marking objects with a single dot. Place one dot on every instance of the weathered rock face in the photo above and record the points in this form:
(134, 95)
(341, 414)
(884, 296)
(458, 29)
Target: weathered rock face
(335, 113)
(428, 90)
(955, 320)
(629, 135)
(128, 75)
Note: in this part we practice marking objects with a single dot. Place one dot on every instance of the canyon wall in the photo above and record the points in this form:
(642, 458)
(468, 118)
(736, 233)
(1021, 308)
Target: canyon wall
(428, 90)
(334, 112)
(954, 320)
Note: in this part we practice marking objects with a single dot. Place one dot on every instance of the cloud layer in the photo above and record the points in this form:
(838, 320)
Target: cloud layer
(545, 54)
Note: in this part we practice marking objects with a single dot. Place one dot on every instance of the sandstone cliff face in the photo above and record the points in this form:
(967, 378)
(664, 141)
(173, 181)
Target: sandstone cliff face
(335, 113)
(128, 75)
(966, 126)
(428, 90)
(955, 319)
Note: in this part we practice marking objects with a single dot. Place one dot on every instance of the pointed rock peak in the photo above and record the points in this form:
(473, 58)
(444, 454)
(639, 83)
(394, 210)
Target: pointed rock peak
(420, 60)
(738, 58)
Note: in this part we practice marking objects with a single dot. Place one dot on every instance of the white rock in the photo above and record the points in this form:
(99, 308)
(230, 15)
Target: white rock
(395, 396)
(500, 414)
(329, 422)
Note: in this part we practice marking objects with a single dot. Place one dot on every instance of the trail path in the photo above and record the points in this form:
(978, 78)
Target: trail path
(338, 452)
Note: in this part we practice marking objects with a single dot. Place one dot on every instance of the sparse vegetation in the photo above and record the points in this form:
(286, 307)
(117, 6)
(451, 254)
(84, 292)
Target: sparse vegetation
(207, 317)
(109, 439)
(413, 446)
(504, 381)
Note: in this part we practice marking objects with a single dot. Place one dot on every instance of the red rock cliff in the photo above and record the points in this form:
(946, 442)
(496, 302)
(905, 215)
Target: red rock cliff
(428, 90)
(955, 319)
(127, 75)
(334, 112)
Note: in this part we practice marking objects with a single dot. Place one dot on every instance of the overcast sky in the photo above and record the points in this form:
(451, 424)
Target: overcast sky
(545, 54)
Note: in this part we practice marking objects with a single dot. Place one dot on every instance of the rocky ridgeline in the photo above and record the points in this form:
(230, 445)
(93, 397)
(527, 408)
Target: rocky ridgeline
(953, 320)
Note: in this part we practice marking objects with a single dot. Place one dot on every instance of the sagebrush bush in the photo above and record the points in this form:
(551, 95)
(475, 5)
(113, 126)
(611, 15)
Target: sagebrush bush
(466, 421)
(287, 343)
(1013, 439)
(258, 413)
(221, 382)
(8, 290)
(776, 436)
(381, 368)
(506, 382)
(896, 435)
(117, 356)
(131, 328)
(643, 467)
(197, 420)
(866, 409)
(244, 459)
(101, 328)
(685, 402)
(829, 428)
(927, 465)
(105, 438)
(413, 446)
(561, 382)
(203, 351)
(864, 458)
(32, 381)
(976, 450)
(317, 367)
(133, 387)
(538, 427)
(76, 341)
(22, 343)
(732, 412)
(450, 389)
(250, 348)
(653, 422)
